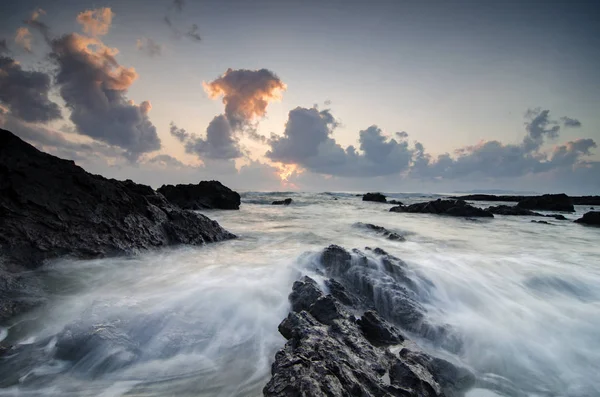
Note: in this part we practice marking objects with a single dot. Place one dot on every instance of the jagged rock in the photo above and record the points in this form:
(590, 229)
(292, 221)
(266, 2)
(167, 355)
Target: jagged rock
(204, 195)
(49, 207)
(329, 353)
(377, 197)
(511, 210)
(287, 201)
(591, 218)
(548, 202)
(382, 230)
(444, 207)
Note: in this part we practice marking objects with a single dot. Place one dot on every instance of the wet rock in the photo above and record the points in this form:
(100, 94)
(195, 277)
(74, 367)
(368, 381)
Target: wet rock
(287, 201)
(381, 230)
(548, 202)
(377, 197)
(557, 217)
(511, 210)
(204, 195)
(329, 353)
(542, 222)
(49, 207)
(444, 207)
(304, 293)
(591, 218)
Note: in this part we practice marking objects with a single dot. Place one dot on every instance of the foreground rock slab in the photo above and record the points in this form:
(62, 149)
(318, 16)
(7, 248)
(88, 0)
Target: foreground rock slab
(591, 218)
(444, 207)
(330, 352)
(49, 207)
(204, 195)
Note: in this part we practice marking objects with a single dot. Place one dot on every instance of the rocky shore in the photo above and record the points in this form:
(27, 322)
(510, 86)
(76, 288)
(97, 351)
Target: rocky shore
(51, 208)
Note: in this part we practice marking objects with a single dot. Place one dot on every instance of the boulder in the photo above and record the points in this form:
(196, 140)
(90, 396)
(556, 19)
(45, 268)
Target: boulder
(377, 197)
(548, 202)
(50, 207)
(591, 218)
(511, 210)
(287, 201)
(204, 195)
(444, 207)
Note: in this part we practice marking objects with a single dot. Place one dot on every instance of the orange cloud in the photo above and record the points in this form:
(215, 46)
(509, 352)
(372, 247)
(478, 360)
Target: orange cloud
(96, 22)
(23, 38)
(246, 93)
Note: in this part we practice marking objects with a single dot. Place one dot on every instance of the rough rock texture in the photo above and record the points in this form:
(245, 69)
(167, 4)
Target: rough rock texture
(287, 201)
(204, 195)
(331, 353)
(591, 218)
(548, 202)
(444, 207)
(511, 210)
(377, 197)
(50, 207)
(381, 230)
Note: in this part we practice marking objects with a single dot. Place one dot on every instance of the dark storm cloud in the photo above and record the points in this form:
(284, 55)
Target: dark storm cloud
(219, 144)
(3, 47)
(307, 142)
(246, 93)
(25, 93)
(149, 47)
(570, 122)
(179, 133)
(94, 87)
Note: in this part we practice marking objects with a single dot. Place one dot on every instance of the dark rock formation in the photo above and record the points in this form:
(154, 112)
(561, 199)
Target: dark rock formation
(511, 210)
(331, 353)
(591, 218)
(542, 222)
(444, 207)
(50, 207)
(576, 200)
(395, 202)
(204, 195)
(381, 230)
(548, 202)
(556, 216)
(377, 197)
(287, 201)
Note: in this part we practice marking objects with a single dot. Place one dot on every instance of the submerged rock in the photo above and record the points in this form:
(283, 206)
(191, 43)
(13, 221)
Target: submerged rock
(511, 210)
(204, 195)
(591, 218)
(331, 353)
(381, 230)
(49, 207)
(548, 202)
(377, 197)
(444, 207)
(287, 201)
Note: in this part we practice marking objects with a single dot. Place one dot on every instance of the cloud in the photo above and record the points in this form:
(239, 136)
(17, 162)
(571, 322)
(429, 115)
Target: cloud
(539, 126)
(3, 47)
(149, 47)
(96, 22)
(246, 93)
(94, 87)
(193, 34)
(570, 123)
(178, 5)
(220, 142)
(35, 23)
(24, 38)
(25, 93)
(166, 161)
(179, 133)
(307, 142)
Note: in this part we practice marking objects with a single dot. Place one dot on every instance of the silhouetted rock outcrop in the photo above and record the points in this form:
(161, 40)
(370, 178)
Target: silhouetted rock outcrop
(377, 197)
(444, 207)
(548, 202)
(511, 210)
(591, 218)
(204, 195)
(576, 200)
(331, 353)
(287, 201)
(49, 207)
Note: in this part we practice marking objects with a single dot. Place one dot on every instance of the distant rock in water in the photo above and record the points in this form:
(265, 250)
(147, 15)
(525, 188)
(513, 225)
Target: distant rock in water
(556, 216)
(591, 218)
(381, 230)
(542, 222)
(548, 202)
(287, 201)
(444, 207)
(204, 195)
(576, 200)
(49, 207)
(511, 210)
(377, 197)
(331, 353)
(395, 202)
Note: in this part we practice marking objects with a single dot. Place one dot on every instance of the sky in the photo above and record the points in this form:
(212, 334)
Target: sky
(396, 96)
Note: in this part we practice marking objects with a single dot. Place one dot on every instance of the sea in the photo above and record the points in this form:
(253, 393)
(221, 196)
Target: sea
(202, 321)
